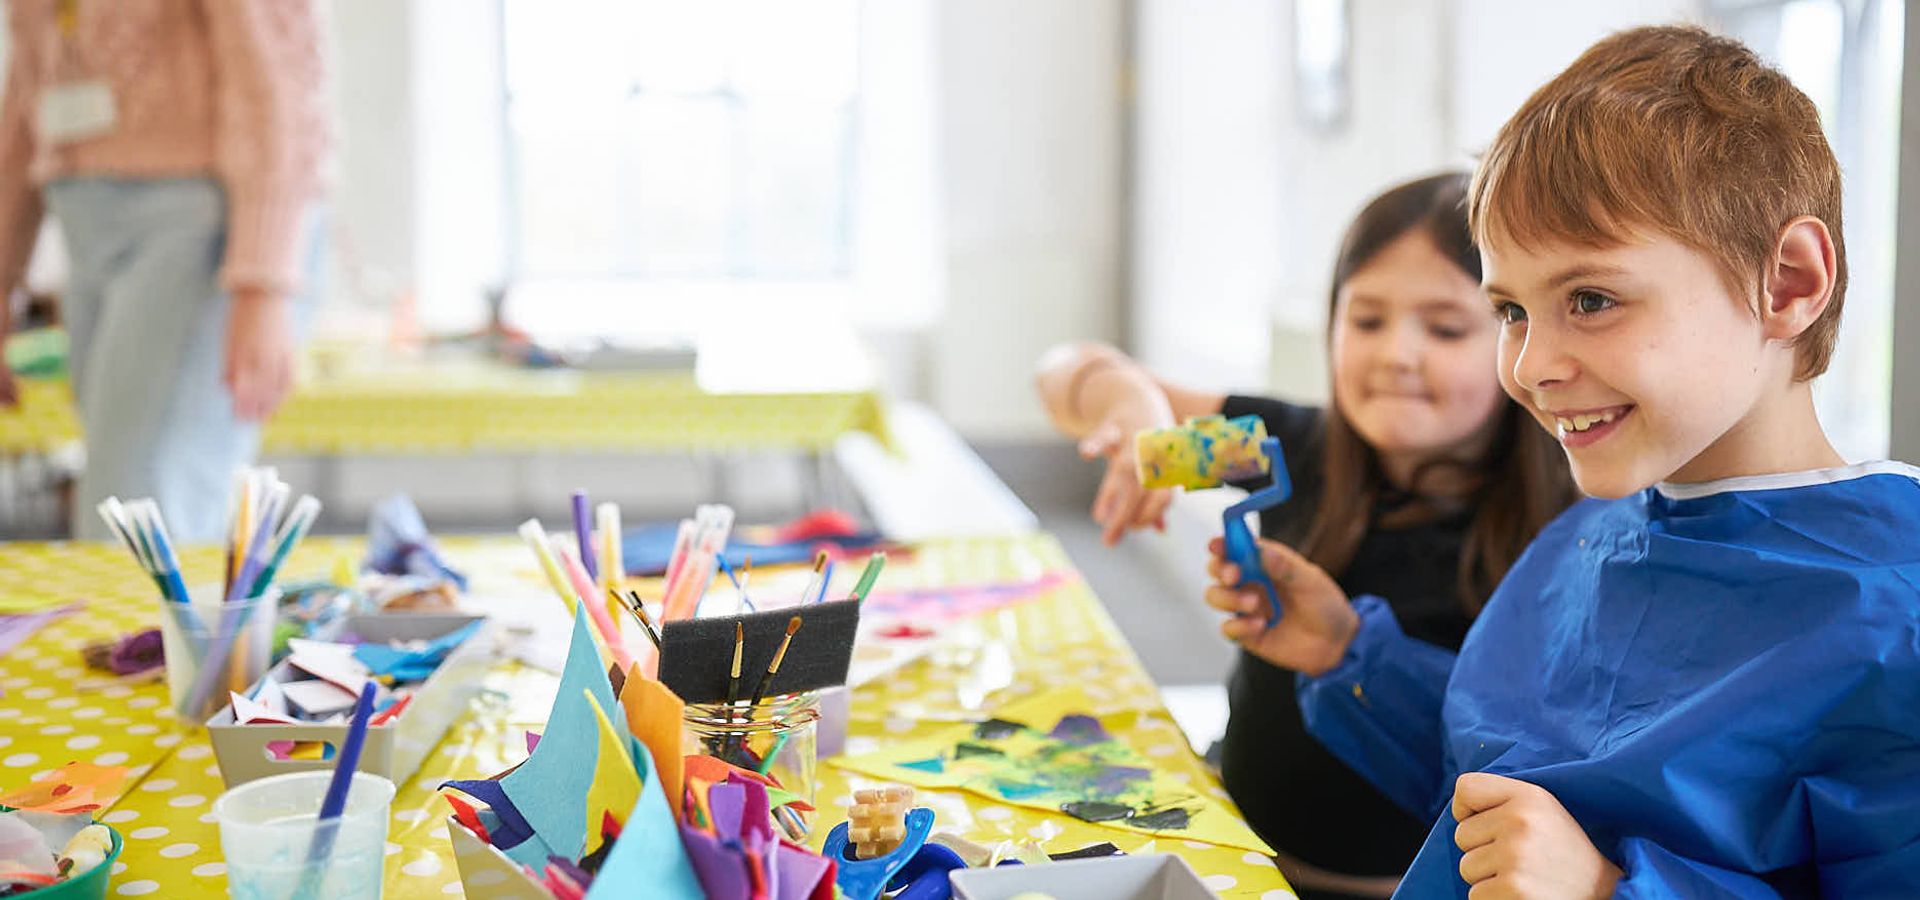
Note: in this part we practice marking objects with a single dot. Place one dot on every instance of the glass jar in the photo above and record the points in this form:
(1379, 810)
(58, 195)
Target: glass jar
(777, 737)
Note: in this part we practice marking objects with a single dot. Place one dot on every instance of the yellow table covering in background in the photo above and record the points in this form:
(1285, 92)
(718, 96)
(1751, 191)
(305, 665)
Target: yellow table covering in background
(468, 408)
(53, 710)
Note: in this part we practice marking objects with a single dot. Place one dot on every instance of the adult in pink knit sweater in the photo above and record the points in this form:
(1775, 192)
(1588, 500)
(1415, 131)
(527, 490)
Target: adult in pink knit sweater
(179, 144)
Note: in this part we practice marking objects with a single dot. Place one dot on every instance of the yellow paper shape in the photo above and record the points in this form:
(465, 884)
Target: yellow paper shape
(1028, 767)
(74, 787)
(616, 786)
(654, 715)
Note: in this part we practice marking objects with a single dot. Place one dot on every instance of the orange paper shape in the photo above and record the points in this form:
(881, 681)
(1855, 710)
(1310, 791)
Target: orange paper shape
(654, 715)
(73, 788)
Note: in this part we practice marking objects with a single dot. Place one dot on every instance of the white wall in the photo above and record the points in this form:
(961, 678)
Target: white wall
(1030, 134)
(1502, 50)
(373, 235)
(1240, 205)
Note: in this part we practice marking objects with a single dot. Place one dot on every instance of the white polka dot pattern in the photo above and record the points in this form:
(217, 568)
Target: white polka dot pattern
(172, 840)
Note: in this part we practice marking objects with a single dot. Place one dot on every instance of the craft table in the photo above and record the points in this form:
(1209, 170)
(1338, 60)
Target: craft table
(53, 710)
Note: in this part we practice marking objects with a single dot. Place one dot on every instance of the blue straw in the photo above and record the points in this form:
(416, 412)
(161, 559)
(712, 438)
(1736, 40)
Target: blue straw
(343, 768)
(826, 578)
(722, 559)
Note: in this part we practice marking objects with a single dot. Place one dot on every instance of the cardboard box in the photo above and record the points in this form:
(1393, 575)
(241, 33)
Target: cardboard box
(394, 749)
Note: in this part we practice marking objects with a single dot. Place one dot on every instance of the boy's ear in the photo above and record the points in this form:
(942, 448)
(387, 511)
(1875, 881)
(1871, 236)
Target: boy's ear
(1799, 279)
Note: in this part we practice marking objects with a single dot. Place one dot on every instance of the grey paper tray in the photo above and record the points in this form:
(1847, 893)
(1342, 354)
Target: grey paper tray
(1152, 876)
(486, 873)
(395, 749)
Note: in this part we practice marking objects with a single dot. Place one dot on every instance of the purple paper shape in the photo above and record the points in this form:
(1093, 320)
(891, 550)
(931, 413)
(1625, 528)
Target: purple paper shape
(14, 629)
(721, 869)
(139, 652)
(1080, 730)
(798, 874)
(728, 804)
(759, 821)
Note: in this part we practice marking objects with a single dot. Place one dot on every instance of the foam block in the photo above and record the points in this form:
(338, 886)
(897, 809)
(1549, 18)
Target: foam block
(696, 655)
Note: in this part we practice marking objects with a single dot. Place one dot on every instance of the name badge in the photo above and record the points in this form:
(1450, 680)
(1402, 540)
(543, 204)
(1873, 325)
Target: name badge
(76, 111)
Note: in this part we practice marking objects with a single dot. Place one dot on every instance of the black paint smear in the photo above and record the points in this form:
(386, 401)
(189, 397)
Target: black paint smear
(968, 750)
(1173, 819)
(1096, 810)
(1091, 851)
(997, 729)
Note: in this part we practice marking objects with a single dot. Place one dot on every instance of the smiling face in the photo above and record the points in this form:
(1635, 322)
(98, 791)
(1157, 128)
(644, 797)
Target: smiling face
(1637, 357)
(1411, 345)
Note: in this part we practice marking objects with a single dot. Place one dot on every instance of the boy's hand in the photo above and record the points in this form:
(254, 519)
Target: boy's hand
(1122, 503)
(1316, 623)
(1520, 842)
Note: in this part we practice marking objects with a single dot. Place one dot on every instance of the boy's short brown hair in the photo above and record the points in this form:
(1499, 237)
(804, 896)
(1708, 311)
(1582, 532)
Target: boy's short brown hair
(1672, 128)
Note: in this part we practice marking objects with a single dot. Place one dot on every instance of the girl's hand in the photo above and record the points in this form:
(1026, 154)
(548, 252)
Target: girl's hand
(1122, 503)
(259, 353)
(1520, 842)
(1316, 622)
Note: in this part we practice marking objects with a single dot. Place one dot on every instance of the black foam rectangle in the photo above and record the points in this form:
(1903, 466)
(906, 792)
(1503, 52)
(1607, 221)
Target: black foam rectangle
(696, 655)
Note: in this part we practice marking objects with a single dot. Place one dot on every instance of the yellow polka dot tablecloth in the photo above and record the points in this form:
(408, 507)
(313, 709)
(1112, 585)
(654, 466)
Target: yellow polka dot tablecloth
(493, 409)
(53, 710)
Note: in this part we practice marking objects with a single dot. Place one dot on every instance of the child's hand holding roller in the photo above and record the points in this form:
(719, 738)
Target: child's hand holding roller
(1317, 621)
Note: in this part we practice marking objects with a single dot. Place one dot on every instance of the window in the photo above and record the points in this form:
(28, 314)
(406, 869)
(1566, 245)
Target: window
(1846, 55)
(657, 140)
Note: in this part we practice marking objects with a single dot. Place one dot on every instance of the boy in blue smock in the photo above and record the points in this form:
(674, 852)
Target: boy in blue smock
(1706, 681)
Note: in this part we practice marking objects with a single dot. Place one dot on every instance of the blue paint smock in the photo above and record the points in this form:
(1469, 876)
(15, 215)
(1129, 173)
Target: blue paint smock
(1720, 682)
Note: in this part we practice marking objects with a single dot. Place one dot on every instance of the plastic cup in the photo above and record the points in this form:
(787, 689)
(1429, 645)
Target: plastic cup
(267, 832)
(190, 634)
(90, 885)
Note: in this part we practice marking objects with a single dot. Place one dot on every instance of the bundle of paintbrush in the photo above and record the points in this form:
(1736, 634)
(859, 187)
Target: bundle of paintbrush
(264, 532)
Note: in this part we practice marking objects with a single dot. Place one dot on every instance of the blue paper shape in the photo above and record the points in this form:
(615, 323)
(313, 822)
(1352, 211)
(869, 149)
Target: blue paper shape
(398, 543)
(936, 765)
(413, 665)
(647, 548)
(507, 828)
(550, 788)
(648, 856)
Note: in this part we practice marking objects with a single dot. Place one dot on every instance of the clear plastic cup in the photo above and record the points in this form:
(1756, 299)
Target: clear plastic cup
(192, 636)
(268, 829)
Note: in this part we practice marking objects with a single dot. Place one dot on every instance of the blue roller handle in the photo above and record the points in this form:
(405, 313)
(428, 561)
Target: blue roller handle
(1241, 549)
(865, 879)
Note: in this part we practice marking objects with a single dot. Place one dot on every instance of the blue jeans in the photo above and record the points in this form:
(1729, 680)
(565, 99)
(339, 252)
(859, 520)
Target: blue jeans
(147, 320)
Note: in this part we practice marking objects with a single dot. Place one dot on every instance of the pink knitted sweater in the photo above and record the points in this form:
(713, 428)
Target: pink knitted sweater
(233, 89)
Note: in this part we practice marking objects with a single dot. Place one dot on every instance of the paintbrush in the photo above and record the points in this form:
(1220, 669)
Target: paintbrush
(733, 681)
(773, 667)
(639, 614)
(813, 581)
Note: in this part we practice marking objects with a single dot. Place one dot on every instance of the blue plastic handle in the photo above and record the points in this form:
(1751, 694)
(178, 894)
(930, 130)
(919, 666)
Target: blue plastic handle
(864, 879)
(1241, 548)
